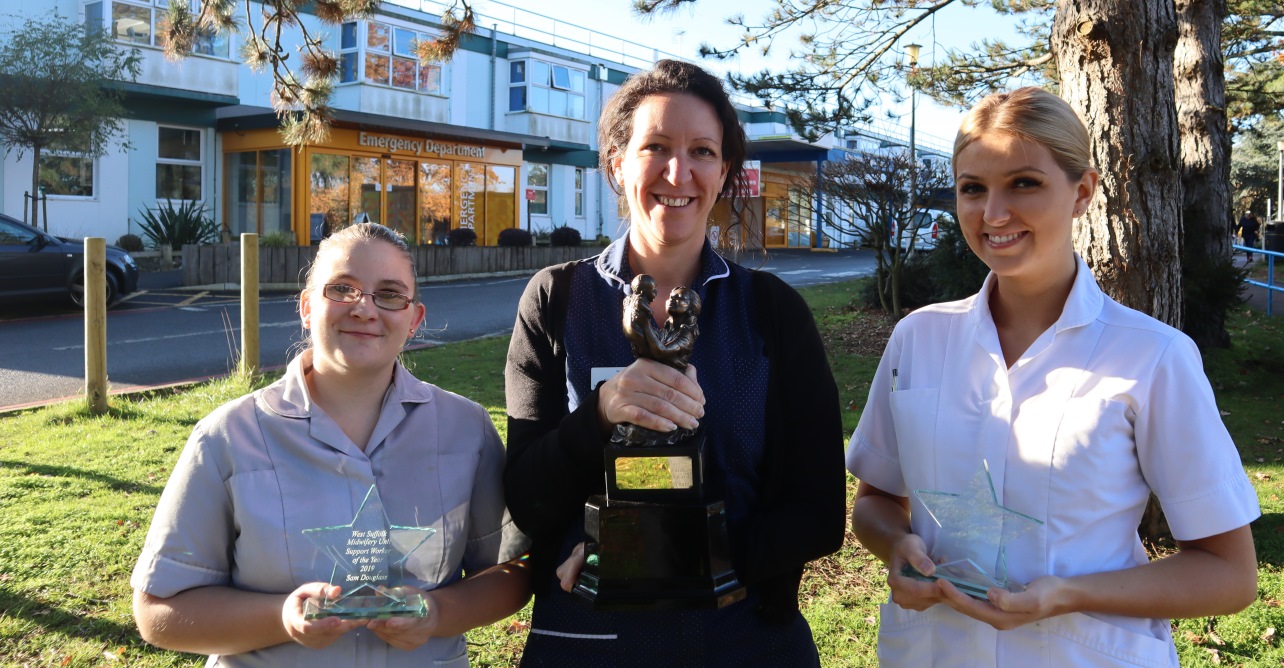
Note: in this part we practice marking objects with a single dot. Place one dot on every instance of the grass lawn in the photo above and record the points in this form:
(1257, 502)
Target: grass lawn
(77, 493)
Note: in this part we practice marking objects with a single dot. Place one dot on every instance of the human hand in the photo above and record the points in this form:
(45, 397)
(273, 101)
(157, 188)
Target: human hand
(652, 395)
(569, 572)
(314, 633)
(1005, 610)
(907, 592)
(407, 633)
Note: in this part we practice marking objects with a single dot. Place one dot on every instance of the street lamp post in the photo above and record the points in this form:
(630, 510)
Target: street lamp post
(912, 51)
(1279, 180)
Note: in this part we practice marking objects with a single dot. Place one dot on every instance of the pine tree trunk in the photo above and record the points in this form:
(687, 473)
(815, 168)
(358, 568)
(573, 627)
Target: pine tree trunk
(1115, 58)
(1207, 219)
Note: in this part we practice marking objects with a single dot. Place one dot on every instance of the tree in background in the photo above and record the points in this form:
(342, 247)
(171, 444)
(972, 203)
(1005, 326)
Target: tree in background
(56, 79)
(878, 198)
(301, 88)
(1254, 165)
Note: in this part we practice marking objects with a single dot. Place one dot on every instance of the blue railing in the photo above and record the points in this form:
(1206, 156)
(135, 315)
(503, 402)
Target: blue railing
(1271, 287)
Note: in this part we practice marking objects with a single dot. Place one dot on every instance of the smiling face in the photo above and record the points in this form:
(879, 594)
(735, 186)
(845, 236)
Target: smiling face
(359, 338)
(1016, 207)
(671, 171)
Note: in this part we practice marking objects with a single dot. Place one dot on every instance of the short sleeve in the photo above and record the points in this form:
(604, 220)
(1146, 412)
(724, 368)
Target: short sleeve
(873, 454)
(493, 538)
(1187, 456)
(190, 539)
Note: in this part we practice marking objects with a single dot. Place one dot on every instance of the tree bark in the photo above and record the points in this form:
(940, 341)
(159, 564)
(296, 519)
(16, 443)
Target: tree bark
(1207, 218)
(1115, 58)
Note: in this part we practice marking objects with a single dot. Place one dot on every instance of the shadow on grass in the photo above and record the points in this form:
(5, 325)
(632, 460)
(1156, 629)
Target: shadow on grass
(1268, 538)
(77, 624)
(115, 484)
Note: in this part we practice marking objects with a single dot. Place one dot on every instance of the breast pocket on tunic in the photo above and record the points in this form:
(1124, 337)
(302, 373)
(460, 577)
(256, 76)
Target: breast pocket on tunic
(1094, 456)
(438, 559)
(905, 637)
(914, 416)
(1077, 639)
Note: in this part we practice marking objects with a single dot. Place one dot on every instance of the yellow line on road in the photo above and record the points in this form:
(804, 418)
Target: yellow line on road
(131, 296)
(193, 298)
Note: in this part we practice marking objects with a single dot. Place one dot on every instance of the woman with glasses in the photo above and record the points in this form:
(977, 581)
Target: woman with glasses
(227, 569)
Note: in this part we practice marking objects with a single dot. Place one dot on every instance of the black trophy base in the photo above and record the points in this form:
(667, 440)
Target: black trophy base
(648, 556)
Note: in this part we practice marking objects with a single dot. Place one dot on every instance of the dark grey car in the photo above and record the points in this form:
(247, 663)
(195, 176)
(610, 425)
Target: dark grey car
(35, 264)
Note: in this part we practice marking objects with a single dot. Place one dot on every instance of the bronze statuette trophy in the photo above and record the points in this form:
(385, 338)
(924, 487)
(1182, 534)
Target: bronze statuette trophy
(655, 540)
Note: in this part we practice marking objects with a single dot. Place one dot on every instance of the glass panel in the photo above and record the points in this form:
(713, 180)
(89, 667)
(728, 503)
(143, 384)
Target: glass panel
(178, 182)
(654, 473)
(561, 77)
(434, 202)
(348, 67)
(348, 36)
(579, 204)
(471, 196)
(403, 73)
(501, 202)
(539, 205)
(577, 106)
(539, 73)
(274, 173)
(70, 176)
(577, 81)
(400, 214)
(404, 42)
(377, 36)
(93, 16)
(365, 191)
(329, 197)
(539, 99)
(775, 215)
(430, 79)
(537, 175)
(558, 103)
(376, 68)
(211, 43)
(243, 215)
(132, 23)
(517, 98)
(517, 72)
(179, 144)
(579, 179)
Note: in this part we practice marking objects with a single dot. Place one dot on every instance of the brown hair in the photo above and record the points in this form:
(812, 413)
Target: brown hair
(365, 232)
(1033, 114)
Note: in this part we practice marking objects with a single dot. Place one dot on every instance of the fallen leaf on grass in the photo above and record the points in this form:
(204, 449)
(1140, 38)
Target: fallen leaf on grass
(1262, 476)
(1194, 638)
(1215, 639)
(871, 621)
(1214, 656)
(1225, 413)
(1268, 636)
(518, 626)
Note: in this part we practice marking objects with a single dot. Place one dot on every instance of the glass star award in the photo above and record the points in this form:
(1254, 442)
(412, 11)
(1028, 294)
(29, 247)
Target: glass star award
(369, 557)
(972, 529)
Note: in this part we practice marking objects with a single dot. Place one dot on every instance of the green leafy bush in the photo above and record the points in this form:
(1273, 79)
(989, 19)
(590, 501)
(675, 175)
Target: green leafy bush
(916, 285)
(515, 237)
(564, 236)
(130, 242)
(277, 239)
(462, 236)
(956, 272)
(177, 226)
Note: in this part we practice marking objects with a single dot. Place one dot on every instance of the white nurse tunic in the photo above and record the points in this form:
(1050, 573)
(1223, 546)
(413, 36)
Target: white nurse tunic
(1105, 406)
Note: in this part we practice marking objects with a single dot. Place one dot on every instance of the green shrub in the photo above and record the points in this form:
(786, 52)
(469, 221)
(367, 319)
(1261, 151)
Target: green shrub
(955, 271)
(515, 237)
(177, 226)
(130, 242)
(462, 236)
(916, 285)
(564, 236)
(277, 239)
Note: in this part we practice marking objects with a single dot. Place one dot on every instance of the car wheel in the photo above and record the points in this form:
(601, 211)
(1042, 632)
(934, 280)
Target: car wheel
(78, 289)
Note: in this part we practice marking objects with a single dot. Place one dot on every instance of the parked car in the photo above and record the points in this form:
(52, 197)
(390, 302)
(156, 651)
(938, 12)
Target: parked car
(925, 228)
(34, 264)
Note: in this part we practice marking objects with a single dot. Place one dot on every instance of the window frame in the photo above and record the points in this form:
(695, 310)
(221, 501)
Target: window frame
(93, 173)
(530, 169)
(204, 45)
(547, 95)
(354, 59)
(579, 192)
(199, 162)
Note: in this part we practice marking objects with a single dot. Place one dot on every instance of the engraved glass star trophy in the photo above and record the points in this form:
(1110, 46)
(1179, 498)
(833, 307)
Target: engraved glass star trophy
(972, 529)
(369, 557)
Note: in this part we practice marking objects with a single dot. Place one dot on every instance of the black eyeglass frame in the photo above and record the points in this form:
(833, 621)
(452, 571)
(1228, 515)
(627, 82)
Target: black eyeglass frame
(352, 295)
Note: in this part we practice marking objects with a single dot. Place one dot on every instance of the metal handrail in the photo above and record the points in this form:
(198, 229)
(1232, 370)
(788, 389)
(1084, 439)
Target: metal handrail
(1271, 287)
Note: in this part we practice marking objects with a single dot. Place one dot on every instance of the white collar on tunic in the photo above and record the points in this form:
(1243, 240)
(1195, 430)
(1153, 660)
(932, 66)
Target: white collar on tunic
(289, 396)
(1083, 304)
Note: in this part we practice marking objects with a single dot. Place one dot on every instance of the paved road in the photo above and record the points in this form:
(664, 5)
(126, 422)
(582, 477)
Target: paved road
(164, 336)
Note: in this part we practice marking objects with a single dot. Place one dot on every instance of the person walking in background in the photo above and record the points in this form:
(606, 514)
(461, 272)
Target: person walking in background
(226, 568)
(1249, 227)
(672, 146)
(1078, 409)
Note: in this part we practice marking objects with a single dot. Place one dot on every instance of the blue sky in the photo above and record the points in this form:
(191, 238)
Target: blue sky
(682, 33)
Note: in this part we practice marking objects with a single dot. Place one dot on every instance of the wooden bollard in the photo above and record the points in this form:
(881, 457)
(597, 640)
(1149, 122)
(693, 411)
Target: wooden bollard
(250, 304)
(95, 301)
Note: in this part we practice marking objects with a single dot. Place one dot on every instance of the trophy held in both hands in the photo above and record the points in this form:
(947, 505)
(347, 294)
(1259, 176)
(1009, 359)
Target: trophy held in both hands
(369, 557)
(655, 539)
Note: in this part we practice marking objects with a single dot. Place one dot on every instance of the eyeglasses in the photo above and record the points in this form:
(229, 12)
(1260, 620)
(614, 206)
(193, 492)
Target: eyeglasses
(384, 299)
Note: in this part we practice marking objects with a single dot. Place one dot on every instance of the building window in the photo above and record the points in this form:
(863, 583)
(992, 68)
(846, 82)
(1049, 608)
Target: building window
(537, 180)
(579, 192)
(380, 53)
(546, 88)
(178, 164)
(259, 191)
(66, 174)
(139, 22)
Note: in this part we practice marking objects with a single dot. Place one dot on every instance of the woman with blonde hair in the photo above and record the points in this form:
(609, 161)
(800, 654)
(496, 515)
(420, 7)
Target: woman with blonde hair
(1076, 407)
